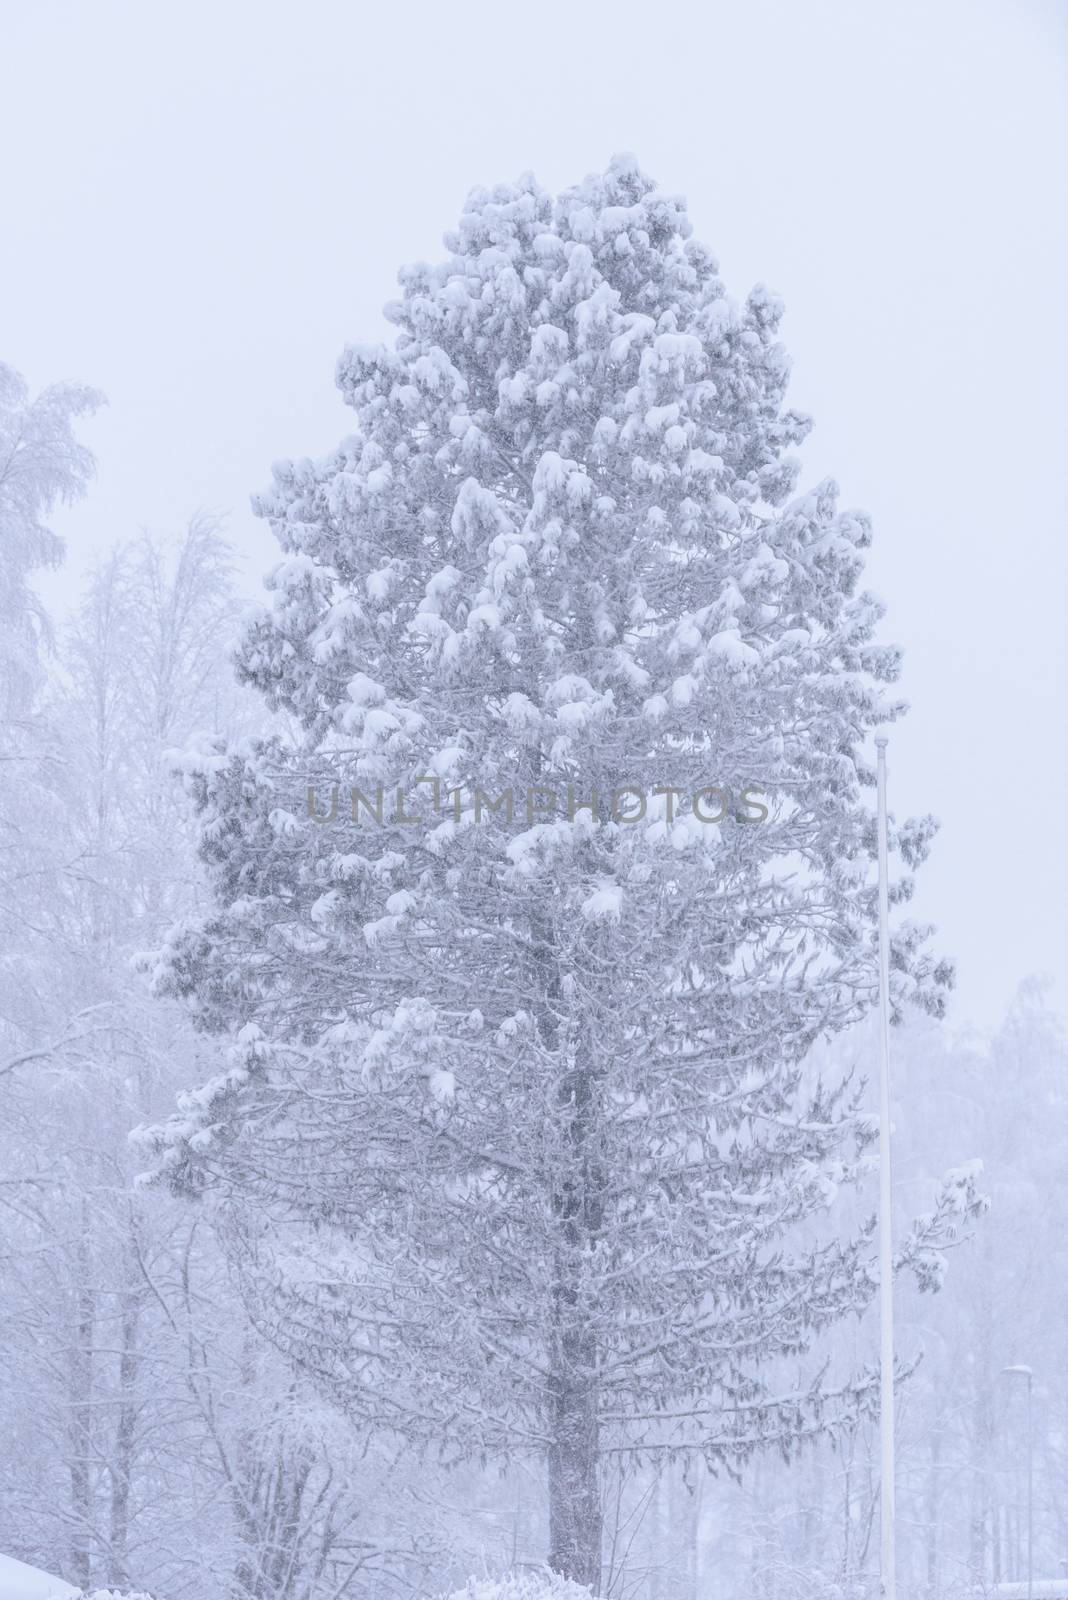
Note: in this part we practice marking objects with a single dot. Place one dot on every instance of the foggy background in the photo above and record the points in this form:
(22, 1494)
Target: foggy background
(202, 204)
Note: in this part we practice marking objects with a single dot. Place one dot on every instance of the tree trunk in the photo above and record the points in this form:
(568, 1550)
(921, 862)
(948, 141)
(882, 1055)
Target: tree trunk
(575, 1510)
(575, 1514)
(934, 1516)
(121, 1465)
(81, 1411)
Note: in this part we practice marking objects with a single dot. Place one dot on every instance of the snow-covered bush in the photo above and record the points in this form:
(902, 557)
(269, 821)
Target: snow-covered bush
(542, 1585)
(111, 1594)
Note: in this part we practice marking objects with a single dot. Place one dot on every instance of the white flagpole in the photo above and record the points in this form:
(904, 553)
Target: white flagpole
(888, 1582)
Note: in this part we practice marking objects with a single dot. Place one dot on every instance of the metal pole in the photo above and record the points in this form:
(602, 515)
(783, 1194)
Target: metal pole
(1030, 1492)
(1028, 1373)
(888, 1582)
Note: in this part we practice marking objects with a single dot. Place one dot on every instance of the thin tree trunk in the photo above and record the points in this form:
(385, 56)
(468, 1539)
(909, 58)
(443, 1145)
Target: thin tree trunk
(934, 1511)
(81, 1415)
(122, 1462)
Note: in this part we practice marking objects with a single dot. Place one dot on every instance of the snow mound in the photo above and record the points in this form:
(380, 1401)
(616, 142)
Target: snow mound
(20, 1582)
(542, 1585)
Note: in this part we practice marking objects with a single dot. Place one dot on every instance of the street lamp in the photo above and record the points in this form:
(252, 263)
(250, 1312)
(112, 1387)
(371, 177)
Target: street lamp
(887, 1476)
(1025, 1372)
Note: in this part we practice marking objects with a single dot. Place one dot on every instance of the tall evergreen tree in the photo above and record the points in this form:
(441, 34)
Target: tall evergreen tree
(520, 1093)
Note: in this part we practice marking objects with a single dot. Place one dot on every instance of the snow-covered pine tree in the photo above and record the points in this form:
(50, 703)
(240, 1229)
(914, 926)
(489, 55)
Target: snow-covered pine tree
(524, 1099)
(42, 465)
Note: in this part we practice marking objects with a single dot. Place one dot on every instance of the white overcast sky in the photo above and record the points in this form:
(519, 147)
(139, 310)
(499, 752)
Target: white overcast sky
(202, 202)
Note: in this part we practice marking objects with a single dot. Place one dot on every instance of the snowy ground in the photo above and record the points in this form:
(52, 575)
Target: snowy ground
(1042, 1589)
